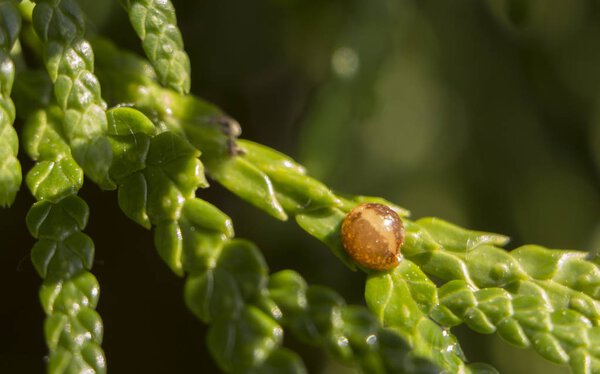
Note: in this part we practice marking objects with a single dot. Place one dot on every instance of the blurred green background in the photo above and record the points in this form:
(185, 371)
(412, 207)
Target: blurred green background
(482, 112)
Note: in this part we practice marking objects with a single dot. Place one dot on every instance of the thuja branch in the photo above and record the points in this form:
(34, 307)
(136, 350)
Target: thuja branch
(532, 296)
(317, 315)
(564, 284)
(60, 139)
(264, 176)
(69, 60)
(63, 254)
(157, 172)
(10, 168)
(226, 278)
(155, 23)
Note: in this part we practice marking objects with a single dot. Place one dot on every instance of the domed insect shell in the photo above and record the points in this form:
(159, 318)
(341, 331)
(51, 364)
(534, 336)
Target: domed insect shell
(372, 235)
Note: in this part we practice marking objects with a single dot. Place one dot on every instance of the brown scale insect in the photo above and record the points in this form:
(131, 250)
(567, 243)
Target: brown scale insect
(372, 235)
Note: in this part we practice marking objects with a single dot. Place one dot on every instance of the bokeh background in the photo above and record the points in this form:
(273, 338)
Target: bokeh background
(482, 112)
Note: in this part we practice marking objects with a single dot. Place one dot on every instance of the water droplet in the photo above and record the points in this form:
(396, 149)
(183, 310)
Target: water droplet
(342, 341)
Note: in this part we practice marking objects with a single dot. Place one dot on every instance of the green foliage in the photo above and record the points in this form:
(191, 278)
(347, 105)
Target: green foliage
(10, 168)
(63, 254)
(317, 315)
(227, 278)
(401, 299)
(69, 60)
(440, 249)
(155, 23)
(149, 147)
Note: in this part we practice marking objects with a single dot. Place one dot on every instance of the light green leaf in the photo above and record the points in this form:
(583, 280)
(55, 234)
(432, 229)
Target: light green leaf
(454, 238)
(167, 240)
(82, 290)
(352, 201)
(202, 214)
(93, 355)
(388, 295)
(10, 177)
(69, 61)
(52, 181)
(493, 267)
(268, 159)
(298, 192)
(201, 247)
(174, 158)
(247, 181)
(325, 225)
(124, 121)
(10, 169)
(43, 136)
(570, 268)
(155, 23)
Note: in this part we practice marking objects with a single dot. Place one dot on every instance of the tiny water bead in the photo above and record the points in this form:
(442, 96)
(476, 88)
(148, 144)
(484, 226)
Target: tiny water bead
(372, 235)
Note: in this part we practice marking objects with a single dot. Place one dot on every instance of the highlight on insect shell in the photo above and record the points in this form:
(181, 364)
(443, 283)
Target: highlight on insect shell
(372, 235)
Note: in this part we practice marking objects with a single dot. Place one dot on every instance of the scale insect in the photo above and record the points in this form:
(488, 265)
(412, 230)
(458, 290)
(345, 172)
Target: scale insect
(372, 235)
(232, 129)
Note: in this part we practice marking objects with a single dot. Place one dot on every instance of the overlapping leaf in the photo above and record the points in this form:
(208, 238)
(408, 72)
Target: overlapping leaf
(531, 296)
(69, 61)
(156, 25)
(278, 185)
(10, 168)
(227, 278)
(63, 254)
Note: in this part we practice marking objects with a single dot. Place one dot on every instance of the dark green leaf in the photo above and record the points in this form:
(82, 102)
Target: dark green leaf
(133, 196)
(282, 361)
(213, 294)
(57, 221)
(245, 342)
(129, 155)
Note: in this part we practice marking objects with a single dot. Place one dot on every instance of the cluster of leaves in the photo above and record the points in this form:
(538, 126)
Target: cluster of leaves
(149, 145)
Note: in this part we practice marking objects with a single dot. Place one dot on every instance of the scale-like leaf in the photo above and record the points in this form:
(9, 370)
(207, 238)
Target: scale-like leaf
(155, 23)
(10, 168)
